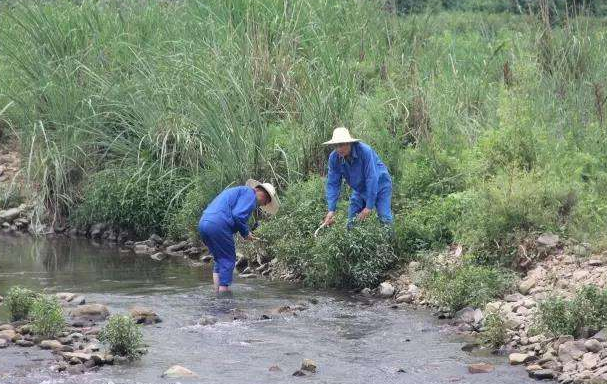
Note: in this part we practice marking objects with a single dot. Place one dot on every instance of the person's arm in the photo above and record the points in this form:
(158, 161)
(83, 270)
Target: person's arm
(333, 186)
(245, 205)
(371, 178)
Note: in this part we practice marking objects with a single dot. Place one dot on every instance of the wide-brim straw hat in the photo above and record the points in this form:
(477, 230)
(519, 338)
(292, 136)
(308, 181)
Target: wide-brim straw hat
(274, 204)
(341, 135)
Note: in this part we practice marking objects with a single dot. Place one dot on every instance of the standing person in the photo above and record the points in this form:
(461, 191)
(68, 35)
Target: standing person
(364, 172)
(227, 214)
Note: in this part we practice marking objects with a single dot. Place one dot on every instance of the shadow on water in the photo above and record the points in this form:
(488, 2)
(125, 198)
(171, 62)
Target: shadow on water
(352, 341)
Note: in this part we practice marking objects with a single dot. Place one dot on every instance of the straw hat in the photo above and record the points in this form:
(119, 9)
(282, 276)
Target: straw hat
(272, 206)
(341, 135)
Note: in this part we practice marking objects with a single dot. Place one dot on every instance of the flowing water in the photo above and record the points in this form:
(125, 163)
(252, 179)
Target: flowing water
(351, 340)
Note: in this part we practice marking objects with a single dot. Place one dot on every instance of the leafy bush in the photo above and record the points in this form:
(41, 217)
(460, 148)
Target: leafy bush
(19, 302)
(337, 257)
(47, 316)
(131, 198)
(427, 225)
(123, 336)
(587, 310)
(468, 285)
(494, 330)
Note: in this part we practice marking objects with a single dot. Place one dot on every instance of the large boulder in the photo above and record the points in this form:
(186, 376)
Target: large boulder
(143, 315)
(571, 350)
(177, 371)
(90, 312)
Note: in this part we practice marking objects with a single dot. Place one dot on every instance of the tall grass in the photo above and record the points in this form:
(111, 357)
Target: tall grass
(218, 91)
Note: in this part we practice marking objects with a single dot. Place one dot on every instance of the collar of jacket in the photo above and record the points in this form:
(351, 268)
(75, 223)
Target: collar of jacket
(353, 153)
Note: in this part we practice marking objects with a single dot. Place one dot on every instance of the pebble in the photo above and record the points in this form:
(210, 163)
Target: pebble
(480, 368)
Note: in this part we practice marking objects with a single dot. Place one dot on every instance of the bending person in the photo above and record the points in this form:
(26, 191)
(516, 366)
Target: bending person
(227, 214)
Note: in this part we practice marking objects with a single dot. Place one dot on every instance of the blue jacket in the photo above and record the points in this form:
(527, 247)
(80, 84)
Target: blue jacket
(363, 171)
(233, 208)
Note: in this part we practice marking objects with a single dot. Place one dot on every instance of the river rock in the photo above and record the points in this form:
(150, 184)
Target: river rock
(548, 240)
(9, 335)
(75, 369)
(571, 350)
(518, 358)
(580, 275)
(543, 374)
(308, 365)
(143, 249)
(24, 343)
(50, 344)
(526, 285)
(247, 275)
(601, 336)
(405, 298)
(468, 315)
(590, 360)
(10, 214)
(155, 239)
(143, 315)
(94, 312)
(3, 343)
(78, 300)
(208, 259)
(158, 256)
(1, 299)
(593, 345)
(177, 247)
(97, 230)
(7, 327)
(81, 356)
(386, 289)
(480, 368)
(65, 296)
(177, 371)
(208, 320)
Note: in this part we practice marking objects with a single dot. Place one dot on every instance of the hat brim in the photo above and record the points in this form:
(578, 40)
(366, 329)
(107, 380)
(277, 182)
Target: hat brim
(345, 141)
(273, 205)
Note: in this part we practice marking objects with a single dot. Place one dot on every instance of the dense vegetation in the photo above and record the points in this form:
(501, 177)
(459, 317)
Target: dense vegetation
(489, 114)
(122, 336)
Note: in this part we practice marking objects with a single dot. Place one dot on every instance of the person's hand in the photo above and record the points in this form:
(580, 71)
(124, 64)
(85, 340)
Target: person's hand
(329, 219)
(250, 237)
(364, 214)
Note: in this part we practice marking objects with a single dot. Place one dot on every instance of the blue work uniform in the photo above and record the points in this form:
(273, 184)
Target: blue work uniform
(367, 176)
(227, 214)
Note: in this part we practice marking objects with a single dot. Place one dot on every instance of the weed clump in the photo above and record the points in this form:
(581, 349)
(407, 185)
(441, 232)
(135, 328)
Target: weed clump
(19, 301)
(493, 333)
(122, 335)
(47, 316)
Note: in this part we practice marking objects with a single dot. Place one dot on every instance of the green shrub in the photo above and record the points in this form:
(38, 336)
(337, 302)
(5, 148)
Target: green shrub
(468, 285)
(494, 330)
(131, 198)
(427, 225)
(47, 316)
(19, 302)
(337, 257)
(122, 335)
(587, 310)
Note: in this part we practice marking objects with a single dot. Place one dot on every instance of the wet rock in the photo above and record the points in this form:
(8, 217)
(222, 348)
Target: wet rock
(50, 344)
(10, 214)
(480, 368)
(143, 249)
(519, 358)
(177, 371)
(9, 335)
(76, 369)
(308, 365)
(593, 345)
(601, 336)
(193, 251)
(208, 259)
(405, 298)
(3, 343)
(469, 316)
(94, 312)
(143, 315)
(247, 275)
(548, 240)
(24, 343)
(469, 347)
(386, 289)
(78, 300)
(275, 368)
(97, 230)
(81, 356)
(571, 350)
(590, 360)
(7, 327)
(543, 374)
(158, 256)
(155, 239)
(299, 373)
(526, 285)
(65, 296)
(177, 247)
(366, 292)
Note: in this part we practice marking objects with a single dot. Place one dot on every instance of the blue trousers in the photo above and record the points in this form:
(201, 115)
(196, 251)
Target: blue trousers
(220, 241)
(382, 204)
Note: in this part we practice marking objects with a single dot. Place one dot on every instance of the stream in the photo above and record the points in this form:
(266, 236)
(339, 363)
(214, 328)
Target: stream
(352, 339)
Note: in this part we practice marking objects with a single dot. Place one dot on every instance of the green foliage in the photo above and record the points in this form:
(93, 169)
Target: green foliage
(468, 285)
(19, 302)
(122, 335)
(131, 198)
(588, 309)
(494, 333)
(337, 257)
(47, 316)
(10, 196)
